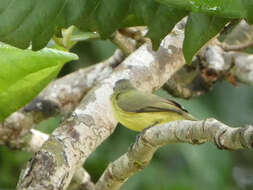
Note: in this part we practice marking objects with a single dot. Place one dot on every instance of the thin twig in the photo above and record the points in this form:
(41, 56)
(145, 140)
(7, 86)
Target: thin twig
(239, 47)
(126, 45)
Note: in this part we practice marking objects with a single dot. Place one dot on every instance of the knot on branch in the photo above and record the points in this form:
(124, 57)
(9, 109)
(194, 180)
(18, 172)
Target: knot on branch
(226, 137)
(28, 176)
(45, 108)
(246, 136)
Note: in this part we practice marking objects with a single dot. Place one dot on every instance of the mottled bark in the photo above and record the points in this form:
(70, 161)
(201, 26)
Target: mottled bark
(214, 64)
(33, 142)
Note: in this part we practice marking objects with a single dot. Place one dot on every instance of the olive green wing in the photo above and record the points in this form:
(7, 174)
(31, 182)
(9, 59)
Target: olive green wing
(137, 101)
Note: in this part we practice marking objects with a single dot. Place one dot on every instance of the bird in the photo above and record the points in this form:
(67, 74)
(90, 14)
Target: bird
(138, 110)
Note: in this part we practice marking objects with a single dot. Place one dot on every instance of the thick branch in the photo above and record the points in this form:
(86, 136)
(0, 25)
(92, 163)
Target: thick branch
(33, 142)
(194, 132)
(93, 121)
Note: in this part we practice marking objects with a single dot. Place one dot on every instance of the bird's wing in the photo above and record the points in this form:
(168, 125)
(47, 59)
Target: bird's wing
(137, 101)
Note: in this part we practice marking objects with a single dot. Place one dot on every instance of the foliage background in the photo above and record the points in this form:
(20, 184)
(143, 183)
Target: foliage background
(174, 167)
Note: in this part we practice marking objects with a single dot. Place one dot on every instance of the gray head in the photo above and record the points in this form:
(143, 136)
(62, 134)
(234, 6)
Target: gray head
(123, 85)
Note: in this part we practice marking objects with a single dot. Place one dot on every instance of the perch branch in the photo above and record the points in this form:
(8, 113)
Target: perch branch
(194, 132)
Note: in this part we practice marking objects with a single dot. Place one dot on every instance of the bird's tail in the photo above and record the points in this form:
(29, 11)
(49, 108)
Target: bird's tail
(190, 117)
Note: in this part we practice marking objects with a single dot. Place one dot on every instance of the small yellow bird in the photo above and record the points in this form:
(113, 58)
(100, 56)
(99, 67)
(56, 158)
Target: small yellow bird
(138, 110)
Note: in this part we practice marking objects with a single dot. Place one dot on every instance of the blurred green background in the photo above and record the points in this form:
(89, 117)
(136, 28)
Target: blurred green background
(174, 167)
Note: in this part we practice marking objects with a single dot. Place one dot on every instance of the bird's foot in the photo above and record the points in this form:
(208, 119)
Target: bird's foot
(145, 129)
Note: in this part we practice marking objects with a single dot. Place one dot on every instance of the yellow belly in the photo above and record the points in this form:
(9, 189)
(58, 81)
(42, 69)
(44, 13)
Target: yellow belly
(140, 121)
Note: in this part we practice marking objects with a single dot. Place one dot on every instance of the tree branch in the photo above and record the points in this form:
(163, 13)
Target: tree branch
(239, 47)
(81, 181)
(126, 45)
(214, 64)
(194, 132)
(33, 142)
(237, 64)
(93, 121)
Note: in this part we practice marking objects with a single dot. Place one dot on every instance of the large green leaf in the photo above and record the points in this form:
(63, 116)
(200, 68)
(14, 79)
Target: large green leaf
(103, 16)
(144, 10)
(22, 22)
(110, 14)
(27, 22)
(163, 22)
(200, 28)
(223, 8)
(160, 19)
(34, 22)
(25, 73)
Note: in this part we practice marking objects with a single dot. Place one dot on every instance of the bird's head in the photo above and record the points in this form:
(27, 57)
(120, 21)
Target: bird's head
(123, 85)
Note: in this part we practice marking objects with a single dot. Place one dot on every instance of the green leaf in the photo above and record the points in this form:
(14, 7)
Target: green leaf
(163, 22)
(200, 28)
(159, 18)
(78, 35)
(223, 8)
(144, 10)
(110, 14)
(22, 22)
(34, 22)
(25, 73)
